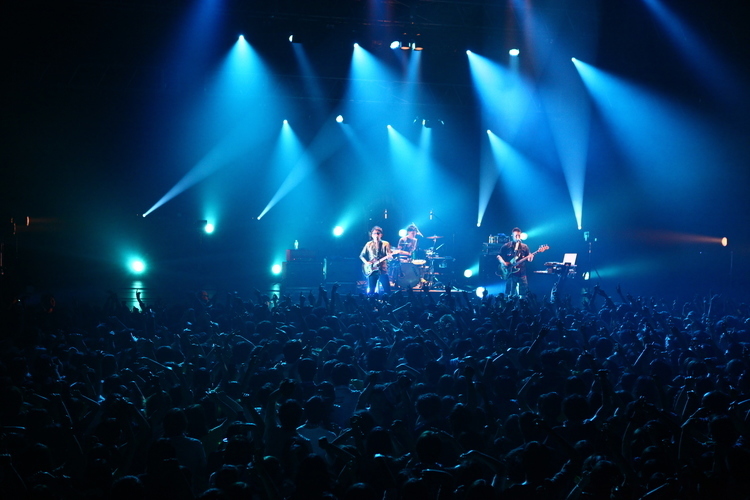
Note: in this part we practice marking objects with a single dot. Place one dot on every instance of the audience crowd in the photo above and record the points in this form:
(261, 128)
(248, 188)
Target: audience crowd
(443, 395)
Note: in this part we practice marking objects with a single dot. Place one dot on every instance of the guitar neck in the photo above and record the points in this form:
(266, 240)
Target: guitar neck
(541, 249)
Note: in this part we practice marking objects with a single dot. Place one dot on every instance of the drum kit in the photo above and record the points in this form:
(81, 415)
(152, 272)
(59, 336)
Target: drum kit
(420, 272)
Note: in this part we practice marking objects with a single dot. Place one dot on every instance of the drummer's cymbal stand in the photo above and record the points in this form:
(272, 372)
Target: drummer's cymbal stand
(433, 281)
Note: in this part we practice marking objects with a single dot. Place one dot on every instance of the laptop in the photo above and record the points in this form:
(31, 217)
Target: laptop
(569, 259)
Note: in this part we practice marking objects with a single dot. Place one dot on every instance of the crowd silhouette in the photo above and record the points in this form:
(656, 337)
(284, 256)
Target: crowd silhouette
(414, 395)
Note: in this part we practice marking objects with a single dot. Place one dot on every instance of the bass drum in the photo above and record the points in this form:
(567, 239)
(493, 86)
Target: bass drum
(408, 277)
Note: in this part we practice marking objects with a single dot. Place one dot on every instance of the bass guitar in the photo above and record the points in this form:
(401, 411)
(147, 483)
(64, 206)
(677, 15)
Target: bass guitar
(369, 267)
(512, 267)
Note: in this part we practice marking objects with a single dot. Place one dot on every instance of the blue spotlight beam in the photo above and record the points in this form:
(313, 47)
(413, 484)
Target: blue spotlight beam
(705, 63)
(656, 135)
(325, 144)
(488, 176)
(239, 81)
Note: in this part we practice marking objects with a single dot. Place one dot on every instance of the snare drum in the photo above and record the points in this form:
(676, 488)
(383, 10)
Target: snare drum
(419, 262)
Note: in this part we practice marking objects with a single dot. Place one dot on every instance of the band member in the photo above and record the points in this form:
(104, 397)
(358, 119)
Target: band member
(375, 255)
(511, 255)
(408, 244)
(402, 273)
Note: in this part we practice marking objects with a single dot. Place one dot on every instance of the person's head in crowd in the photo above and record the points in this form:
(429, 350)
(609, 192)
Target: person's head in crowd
(574, 384)
(306, 369)
(549, 406)
(226, 475)
(604, 476)
(290, 414)
(429, 448)
(414, 355)
(315, 411)
(416, 489)
(376, 359)
(360, 491)
(345, 354)
(575, 408)
(378, 441)
(197, 421)
(292, 350)
(428, 406)
(126, 488)
(238, 451)
(175, 423)
(341, 375)
(363, 420)
(716, 402)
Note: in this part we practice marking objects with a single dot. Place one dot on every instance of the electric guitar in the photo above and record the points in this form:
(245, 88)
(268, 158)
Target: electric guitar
(512, 268)
(369, 267)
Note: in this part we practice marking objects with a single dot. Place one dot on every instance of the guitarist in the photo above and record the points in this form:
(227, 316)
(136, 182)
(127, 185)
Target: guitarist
(517, 283)
(376, 252)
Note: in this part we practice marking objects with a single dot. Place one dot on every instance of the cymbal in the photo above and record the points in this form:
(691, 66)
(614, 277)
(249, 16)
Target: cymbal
(433, 237)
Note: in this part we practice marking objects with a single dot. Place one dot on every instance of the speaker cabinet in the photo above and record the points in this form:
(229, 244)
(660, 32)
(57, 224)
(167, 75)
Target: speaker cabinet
(342, 270)
(302, 274)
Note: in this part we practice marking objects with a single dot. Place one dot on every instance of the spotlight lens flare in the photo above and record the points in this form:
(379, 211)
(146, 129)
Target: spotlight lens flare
(276, 269)
(468, 273)
(514, 52)
(209, 228)
(338, 231)
(137, 266)
(339, 119)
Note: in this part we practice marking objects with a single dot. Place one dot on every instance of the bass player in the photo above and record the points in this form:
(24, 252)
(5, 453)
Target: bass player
(514, 255)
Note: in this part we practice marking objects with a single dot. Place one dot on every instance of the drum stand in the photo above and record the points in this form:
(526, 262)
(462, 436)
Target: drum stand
(431, 277)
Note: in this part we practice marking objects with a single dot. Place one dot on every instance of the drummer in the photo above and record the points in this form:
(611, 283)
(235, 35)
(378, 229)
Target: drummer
(408, 244)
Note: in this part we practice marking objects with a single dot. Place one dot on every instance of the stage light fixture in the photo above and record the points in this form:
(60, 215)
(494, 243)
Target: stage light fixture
(340, 119)
(405, 45)
(514, 52)
(724, 241)
(338, 231)
(433, 123)
(417, 44)
(276, 269)
(395, 44)
(137, 266)
(468, 273)
(209, 228)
